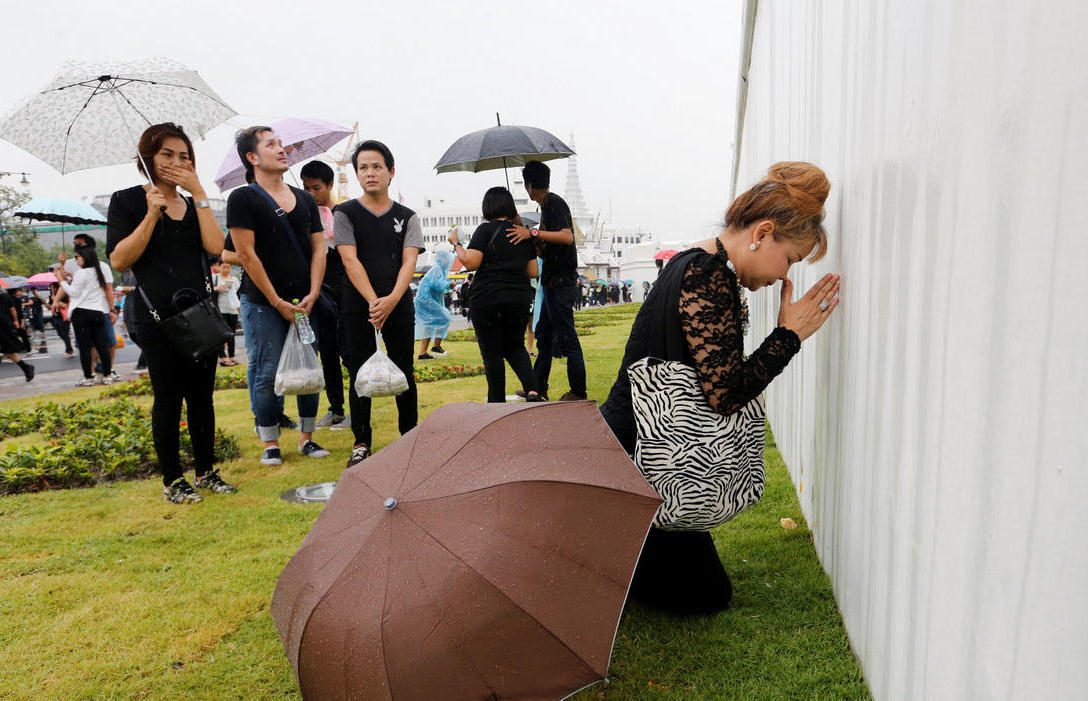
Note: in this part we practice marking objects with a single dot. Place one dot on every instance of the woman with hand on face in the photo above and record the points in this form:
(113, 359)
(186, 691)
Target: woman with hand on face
(166, 239)
(776, 223)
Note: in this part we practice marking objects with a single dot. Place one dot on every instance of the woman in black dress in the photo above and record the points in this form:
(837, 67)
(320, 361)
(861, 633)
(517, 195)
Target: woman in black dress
(777, 223)
(501, 294)
(166, 239)
(10, 343)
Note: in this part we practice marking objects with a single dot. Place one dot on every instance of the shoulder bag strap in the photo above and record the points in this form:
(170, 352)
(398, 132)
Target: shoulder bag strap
(282, 216)
(666, 337)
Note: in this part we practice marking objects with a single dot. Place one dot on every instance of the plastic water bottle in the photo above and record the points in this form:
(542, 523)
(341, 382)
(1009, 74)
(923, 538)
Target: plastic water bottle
(305, 331)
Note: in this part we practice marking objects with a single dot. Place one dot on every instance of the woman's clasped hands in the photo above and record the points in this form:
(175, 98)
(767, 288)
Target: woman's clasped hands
(805, 316)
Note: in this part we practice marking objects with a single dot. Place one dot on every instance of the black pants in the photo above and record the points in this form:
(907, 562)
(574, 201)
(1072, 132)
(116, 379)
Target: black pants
(556, 336)
(398, 332)
(175, 377)
(500, 333)
(680, 572)
(325, 318)
(92, 331)
(232, 322)
(64, 330)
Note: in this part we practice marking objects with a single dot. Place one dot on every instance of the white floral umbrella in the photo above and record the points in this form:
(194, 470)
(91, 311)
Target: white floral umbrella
(91, 114)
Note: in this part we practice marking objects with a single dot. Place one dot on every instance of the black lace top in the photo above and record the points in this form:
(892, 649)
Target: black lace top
(712, 318)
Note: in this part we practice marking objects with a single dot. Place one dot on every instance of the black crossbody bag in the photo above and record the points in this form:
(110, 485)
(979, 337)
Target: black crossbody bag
(198, 330)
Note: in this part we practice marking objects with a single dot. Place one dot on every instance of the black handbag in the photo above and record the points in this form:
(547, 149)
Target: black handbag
(198, 330)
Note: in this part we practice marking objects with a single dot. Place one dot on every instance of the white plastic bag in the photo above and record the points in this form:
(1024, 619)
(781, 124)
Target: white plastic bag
(299, 371)
(379, 376)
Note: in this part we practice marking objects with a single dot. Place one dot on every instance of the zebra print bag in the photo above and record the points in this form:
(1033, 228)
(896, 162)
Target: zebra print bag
(706, 467)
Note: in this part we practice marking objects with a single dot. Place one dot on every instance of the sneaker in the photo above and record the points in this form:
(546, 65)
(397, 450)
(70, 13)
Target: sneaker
(536, 398)
(287, 422)
(572, 397)
(426, 356)
(329, 419)
(358, 454)
(29, 372)
(86, 382)
(214, 482)
(114, 377)
(312, 450)
(271, 456)
(521, 393)
(439, 350)
(344, 423)
(181, 492)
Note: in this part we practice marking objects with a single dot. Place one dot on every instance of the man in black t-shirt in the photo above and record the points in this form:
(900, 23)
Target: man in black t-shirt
(379, 241)
(277, 233)
(555, 333)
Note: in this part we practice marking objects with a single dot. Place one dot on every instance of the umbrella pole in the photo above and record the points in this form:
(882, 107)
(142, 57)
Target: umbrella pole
(124, 122)
(505, 173)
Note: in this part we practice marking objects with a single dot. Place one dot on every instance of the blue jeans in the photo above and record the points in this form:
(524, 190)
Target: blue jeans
(266, 332)
(556, 336)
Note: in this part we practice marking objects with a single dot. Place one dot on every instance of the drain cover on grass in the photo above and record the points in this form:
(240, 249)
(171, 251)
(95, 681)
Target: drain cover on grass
(309, 493)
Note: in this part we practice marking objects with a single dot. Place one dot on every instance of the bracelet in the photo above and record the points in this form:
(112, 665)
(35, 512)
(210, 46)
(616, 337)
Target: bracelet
(203, 204)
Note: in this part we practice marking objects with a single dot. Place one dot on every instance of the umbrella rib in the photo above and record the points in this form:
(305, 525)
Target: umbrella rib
(493, 586)
(407, 500)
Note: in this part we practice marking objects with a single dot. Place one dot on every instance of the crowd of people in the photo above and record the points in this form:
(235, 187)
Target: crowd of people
(348, 267)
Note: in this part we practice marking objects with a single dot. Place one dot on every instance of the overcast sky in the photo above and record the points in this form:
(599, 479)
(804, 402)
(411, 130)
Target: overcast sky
(648, 89)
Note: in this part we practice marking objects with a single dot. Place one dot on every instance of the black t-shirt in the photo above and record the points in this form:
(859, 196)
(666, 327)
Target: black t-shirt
(7, 303)
(173, 257)
(379, 240)
(560, 260)
(501, 276)
(288, 271)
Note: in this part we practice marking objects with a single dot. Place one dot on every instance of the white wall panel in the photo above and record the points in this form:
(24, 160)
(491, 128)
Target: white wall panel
(936, 428)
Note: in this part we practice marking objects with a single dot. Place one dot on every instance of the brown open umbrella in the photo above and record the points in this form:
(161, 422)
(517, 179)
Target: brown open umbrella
(486, 554)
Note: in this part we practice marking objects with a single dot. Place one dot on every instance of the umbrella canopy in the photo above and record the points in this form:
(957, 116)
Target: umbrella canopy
(664, 255)
(529, 219)
(501, 147)
(485, 554)
(628, 282)
(583, 278)
(301, 138)
(41, 281)
(14, 281)
(599, 281)
(62, 211)
(91, 114)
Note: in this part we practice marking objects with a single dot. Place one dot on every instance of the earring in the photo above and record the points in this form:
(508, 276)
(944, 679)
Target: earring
(752, 246)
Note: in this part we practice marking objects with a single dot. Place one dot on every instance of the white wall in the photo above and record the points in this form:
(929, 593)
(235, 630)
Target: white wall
(936, 428)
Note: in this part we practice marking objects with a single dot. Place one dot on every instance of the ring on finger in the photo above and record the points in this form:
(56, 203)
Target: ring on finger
(824, 305)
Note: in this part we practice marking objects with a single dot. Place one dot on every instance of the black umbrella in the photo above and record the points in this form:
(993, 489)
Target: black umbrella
(501, 147)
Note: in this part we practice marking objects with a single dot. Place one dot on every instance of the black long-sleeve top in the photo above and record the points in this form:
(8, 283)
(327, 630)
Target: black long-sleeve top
(712, 326)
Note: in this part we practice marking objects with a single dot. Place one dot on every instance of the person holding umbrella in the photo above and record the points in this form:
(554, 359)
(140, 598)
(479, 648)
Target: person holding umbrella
(555, 237)
(776, 223)
(165, 239)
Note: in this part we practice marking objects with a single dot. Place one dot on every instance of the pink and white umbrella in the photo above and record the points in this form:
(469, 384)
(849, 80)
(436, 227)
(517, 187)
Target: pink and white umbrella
(302, 138)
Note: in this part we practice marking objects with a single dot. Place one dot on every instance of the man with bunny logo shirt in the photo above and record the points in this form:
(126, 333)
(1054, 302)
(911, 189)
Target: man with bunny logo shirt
(379, 241)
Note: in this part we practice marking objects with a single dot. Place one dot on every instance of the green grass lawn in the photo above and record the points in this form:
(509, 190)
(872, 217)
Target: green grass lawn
(110, 593)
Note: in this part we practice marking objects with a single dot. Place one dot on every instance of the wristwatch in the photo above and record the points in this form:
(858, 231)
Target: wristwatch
(534, 232)
(203, 204)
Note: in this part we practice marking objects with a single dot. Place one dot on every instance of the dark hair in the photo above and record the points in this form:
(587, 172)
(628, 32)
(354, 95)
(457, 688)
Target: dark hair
(372, 145)
(498, 202)
(151, 141)
(90, 260)
(246, 143)
(792, 195)
(91, 243)
(537, 175)
(318, 170)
